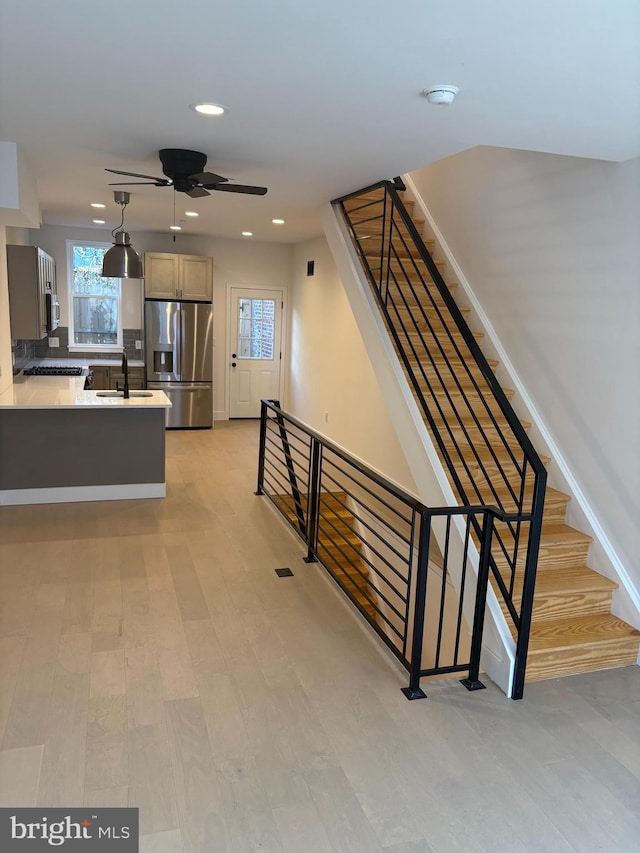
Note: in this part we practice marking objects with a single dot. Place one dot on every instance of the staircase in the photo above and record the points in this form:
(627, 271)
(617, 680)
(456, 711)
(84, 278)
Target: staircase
(572, 628)
(338, 547)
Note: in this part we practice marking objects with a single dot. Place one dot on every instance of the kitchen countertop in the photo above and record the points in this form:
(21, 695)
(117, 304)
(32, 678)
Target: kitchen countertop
(67, 392)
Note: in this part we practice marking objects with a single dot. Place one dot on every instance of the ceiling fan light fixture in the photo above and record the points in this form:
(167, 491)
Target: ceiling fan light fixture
(208, 109)
(122, 260)
(442, 95)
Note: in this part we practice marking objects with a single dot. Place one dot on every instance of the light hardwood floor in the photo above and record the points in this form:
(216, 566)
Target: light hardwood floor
(150, 656)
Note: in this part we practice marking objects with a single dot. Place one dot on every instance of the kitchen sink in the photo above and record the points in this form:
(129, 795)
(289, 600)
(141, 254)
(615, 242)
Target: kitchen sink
(121, 393)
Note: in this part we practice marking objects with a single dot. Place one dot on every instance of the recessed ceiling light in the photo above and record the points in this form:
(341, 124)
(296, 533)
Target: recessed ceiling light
(99, 221)
(208, 109)
(278, 221)
(191, 213)
(247, 233)
(176, 227)
(97, 204)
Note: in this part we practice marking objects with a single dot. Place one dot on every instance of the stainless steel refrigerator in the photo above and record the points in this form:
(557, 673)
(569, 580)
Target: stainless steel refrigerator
(179, 359)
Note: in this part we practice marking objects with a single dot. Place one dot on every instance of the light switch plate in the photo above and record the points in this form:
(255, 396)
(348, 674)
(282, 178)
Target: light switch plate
(54, 342)
(138, 344)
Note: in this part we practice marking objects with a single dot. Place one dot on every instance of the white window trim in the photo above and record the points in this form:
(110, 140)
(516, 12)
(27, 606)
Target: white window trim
(72, 347)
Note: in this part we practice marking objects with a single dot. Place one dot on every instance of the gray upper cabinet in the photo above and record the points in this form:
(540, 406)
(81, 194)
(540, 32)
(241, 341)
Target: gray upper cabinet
(169, 276)
(32, 292)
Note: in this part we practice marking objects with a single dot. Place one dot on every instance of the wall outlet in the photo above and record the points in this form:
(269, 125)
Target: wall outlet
(138, 344)
(54, 342)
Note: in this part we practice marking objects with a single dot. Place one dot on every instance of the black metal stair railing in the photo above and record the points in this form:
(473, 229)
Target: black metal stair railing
(378, 544)
(479, 438)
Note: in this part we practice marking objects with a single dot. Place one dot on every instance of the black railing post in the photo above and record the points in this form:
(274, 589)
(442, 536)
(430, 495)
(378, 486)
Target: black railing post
(383, 294)
(414, 691)
(528, 587)
(314, 502)
(261, 451)
(293, 480)
(472, 682)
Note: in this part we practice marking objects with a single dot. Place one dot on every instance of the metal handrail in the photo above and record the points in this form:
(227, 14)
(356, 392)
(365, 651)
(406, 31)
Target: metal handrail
(352, 513)
(385, 281)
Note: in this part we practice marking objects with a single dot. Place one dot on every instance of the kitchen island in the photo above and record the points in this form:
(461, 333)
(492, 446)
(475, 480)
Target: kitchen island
(60, 443)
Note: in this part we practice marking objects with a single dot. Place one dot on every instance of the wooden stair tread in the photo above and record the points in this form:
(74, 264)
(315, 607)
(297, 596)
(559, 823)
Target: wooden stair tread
(580, 631)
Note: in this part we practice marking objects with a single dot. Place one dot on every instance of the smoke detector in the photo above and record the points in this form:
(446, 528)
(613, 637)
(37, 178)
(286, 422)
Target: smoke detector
(442, 95)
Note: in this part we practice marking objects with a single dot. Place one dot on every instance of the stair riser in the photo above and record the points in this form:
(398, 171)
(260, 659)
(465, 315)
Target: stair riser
(557, 549)
(417, 311)
(369, 231)
(461, 445)
(366, 207)
(556, 664)
(400, 249)
(457, 405)
(456, 348)
(411, 265)
(560, 605)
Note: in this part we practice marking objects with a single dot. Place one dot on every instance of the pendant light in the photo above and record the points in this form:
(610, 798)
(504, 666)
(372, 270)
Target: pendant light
(121, 261)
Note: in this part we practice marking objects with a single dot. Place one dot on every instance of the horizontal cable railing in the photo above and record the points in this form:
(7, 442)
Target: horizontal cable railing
(379, 544)
(479, 438)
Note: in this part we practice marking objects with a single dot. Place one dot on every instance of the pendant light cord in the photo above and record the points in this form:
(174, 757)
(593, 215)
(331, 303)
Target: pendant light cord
(120, 227)
(174, 213)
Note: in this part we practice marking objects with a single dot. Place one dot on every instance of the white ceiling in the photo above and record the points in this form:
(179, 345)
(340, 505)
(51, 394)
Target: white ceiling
(323, 98)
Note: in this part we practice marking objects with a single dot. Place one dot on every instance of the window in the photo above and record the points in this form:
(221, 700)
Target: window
(255, 328)
(95, 318)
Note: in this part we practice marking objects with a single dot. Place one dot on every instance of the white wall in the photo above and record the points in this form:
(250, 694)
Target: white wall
(551, 248)
(330, 370)
(234, 261)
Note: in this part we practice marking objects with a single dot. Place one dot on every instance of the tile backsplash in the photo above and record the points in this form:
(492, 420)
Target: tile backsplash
(26, 351)
(23, 353)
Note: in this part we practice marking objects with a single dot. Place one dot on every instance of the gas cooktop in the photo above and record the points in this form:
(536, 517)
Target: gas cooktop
(50, 370)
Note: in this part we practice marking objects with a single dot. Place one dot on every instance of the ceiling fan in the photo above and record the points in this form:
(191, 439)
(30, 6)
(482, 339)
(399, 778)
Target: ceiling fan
(184, 171)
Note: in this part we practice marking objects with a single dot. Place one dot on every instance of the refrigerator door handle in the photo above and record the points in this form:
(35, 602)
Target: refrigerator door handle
(179, 386)
(177, 338)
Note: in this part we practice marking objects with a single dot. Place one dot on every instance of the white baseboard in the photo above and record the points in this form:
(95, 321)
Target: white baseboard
(75, 494)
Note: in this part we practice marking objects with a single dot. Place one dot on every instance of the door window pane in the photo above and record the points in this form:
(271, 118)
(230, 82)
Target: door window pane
(256, 328)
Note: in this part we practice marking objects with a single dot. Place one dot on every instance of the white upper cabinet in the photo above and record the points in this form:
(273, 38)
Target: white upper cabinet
(169, 276)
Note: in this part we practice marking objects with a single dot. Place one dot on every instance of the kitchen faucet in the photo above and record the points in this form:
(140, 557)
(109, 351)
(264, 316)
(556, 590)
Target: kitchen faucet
(125, 371)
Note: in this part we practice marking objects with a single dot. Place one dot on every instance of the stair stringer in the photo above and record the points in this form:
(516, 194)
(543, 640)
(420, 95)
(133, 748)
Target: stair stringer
(498, 657)
(603, 557)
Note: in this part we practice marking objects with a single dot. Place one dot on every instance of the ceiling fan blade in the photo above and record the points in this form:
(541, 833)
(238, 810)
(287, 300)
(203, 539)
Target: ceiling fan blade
(238, 188)
(159, 181)
(208, 178)
(197, 192)
(136, 184)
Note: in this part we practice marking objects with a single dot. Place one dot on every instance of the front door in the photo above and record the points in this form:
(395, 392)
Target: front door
(255, 337)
